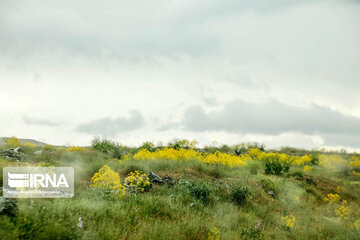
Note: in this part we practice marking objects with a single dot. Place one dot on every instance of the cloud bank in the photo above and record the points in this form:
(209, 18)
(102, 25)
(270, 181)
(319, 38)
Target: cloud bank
(113, 126)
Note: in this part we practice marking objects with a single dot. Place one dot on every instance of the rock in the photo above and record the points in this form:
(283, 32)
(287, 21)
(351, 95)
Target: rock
(154, 178)
(38, 152)
(80, 223)
(310, 181)
(7, 207)
(18, 150)
(271, 193)
(169, 180)
(10, 154)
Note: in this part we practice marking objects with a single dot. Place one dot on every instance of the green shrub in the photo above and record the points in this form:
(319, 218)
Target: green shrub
(273, 165)
(148, 146)
(315, 159)
(199, 190)
(298, 174)
(254, 167)
(239, 194)
(102, 145)
(108, 147)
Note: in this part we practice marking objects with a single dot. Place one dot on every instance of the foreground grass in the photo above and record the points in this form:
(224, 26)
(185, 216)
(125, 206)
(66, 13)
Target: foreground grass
(171, 211)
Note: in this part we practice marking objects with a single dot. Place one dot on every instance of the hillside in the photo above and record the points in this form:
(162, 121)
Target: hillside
(181, 192)
(22, 141)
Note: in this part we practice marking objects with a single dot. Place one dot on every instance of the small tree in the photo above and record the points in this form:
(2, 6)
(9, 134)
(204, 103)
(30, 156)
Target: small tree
(13, 142)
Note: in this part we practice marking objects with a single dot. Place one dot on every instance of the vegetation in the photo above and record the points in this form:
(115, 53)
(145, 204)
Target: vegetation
(217, 192)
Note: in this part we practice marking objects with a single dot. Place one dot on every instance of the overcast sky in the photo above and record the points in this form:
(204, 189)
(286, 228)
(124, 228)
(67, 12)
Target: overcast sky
(281, 72)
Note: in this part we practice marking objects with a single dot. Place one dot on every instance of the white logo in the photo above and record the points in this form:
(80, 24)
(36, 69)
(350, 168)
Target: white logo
(38, 182)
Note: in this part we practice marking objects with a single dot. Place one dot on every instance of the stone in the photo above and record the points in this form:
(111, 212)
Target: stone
(271, 193)
(169, 180)
(10, 154)
(80, 223)
(38, 152)
(310, 181)
(154, 178)
(18, 150)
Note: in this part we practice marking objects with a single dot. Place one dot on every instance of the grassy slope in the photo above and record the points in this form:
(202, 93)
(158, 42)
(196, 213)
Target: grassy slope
(170, 212)
(22, 141)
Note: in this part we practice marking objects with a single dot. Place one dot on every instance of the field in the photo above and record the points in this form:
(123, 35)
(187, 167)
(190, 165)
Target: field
(216, 192)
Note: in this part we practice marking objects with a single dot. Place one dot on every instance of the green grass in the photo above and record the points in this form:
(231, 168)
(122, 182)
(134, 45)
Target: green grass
(204, 196)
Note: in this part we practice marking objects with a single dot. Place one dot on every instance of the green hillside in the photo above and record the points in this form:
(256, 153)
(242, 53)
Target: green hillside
(181, 192)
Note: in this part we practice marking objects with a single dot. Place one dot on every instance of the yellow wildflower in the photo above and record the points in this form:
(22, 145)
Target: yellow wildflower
(214, 234)
(13, 142)
(307, 168)
(108, 179)
(332, 197)
(343, 211)
(288, 221)
(75, 149)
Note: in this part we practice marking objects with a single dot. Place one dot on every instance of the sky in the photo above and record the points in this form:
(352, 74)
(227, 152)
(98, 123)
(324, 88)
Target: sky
(281, 72)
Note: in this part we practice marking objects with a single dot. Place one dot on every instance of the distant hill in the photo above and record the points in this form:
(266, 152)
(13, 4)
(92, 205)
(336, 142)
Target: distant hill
(22, 140)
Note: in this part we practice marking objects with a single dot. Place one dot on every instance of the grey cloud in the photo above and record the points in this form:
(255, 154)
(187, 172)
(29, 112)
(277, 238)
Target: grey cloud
(270, 118)
(347, 140)
(112, 126)
(39, 121)
(211, 101)
(120, 28)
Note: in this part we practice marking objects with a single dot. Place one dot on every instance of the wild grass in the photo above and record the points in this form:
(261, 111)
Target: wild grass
(203, 196)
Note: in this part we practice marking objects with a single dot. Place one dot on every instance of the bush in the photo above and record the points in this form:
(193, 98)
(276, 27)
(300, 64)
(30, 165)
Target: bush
(148, 146)
(274, 165)
(298, 174)
(315, 159)
(254, 167)
(13, 142)
(199, 190)
(239, 195)
(108, 147)
(102, 145)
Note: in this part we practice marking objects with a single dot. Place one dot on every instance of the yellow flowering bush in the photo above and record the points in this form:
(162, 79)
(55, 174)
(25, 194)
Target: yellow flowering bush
(76, 149)
(307, 168)
(125, 157)
(254, 152)
(190, 154)
(27, 144)
(299, 161)
(214, 234)
(357, 224)
(282, 157)
(342, 211)
(137, 181)
(226, 159)
(332, 198)
(108, 179)
(354, 162)
(285, 158)
(13, 142)
(356, 173)
(288, 221)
